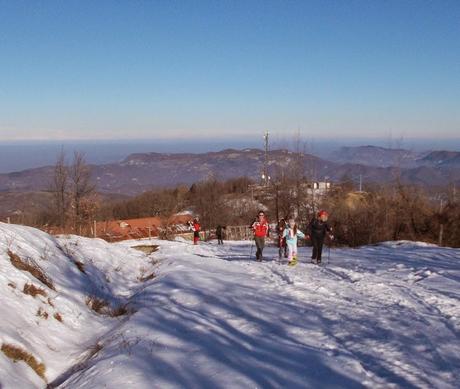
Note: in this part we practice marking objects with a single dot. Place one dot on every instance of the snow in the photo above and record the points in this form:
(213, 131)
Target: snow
(382, 316)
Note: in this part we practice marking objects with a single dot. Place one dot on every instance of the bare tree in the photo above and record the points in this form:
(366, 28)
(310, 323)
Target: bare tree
(81, 188)
(59, 188)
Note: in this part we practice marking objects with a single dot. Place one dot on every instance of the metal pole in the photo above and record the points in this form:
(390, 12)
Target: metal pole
(266, 179)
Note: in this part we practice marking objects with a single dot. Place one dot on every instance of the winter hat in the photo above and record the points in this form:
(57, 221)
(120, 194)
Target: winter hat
(323, 213)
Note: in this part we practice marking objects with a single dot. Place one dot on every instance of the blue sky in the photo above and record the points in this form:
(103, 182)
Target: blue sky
(226, 69)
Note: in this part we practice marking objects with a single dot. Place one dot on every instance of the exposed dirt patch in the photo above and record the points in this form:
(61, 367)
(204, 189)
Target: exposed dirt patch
(147, 277)
(42, 313)
(58, 317)
(31, 267)
(80, 266)
(33, 290)
(147, 249)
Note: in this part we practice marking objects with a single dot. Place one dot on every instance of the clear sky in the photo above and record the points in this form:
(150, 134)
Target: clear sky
(226, 69)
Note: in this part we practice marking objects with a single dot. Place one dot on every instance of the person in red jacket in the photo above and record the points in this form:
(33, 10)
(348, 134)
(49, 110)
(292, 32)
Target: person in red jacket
(196, 228)
(261, 230)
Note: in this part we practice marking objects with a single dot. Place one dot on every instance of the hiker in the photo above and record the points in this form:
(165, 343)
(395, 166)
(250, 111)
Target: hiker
(291, 233)
(282, 248)
(260, 229)
(196, 228)
(316, 231)
(220, 234)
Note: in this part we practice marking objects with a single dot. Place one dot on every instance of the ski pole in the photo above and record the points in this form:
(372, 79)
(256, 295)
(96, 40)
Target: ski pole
(328, 254)
(252, 245)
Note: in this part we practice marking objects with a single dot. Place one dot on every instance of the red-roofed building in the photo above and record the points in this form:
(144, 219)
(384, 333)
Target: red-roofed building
(115, 230)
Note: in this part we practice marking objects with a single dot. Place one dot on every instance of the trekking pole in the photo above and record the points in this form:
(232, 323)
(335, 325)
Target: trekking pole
(252, 245)
(328, 254)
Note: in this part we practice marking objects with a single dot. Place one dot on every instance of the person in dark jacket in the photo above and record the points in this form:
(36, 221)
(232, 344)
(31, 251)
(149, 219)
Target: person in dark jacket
(316, 231)
(220, 234)
(260, 229)
(282, 246)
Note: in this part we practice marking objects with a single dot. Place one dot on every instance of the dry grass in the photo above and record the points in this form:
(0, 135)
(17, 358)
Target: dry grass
(30, 267)
(33, 290)
(80, 266)
(42, 313)
(147, 278)
(102, 307)
(58, 317)
(147, 249)
(50, 302)
(119, 311)
(97, 304)
(18, 354)
(12, 285)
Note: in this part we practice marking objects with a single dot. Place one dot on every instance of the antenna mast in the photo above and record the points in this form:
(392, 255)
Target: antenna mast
(265, 176)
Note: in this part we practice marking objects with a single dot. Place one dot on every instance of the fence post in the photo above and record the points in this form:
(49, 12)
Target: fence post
(95, 232)
(8, 220)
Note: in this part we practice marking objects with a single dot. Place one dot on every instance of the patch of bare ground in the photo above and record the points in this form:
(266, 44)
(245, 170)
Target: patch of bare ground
(33, 290)
(58, 317)
(147, 277)
(80, 266)
(42, 313)
(18, 354)
(147, 249)
(30, 266)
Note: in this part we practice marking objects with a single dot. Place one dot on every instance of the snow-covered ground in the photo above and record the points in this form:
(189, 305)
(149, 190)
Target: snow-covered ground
(378, 317)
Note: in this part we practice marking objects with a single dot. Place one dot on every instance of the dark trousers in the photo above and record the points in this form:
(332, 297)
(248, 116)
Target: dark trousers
(317, 242)
(219, 239)
(283, 248)
(260, 244)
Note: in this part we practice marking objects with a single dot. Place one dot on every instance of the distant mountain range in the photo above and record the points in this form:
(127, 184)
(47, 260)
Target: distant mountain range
(384, 157)
(144, 171)
(376, 156)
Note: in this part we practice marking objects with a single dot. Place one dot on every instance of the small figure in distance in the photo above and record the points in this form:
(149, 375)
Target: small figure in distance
(316, 231)
(220, 234)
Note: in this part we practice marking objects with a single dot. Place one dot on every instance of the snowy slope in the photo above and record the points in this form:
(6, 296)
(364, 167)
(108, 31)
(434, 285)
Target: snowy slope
(30, 322)
(378, 317)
